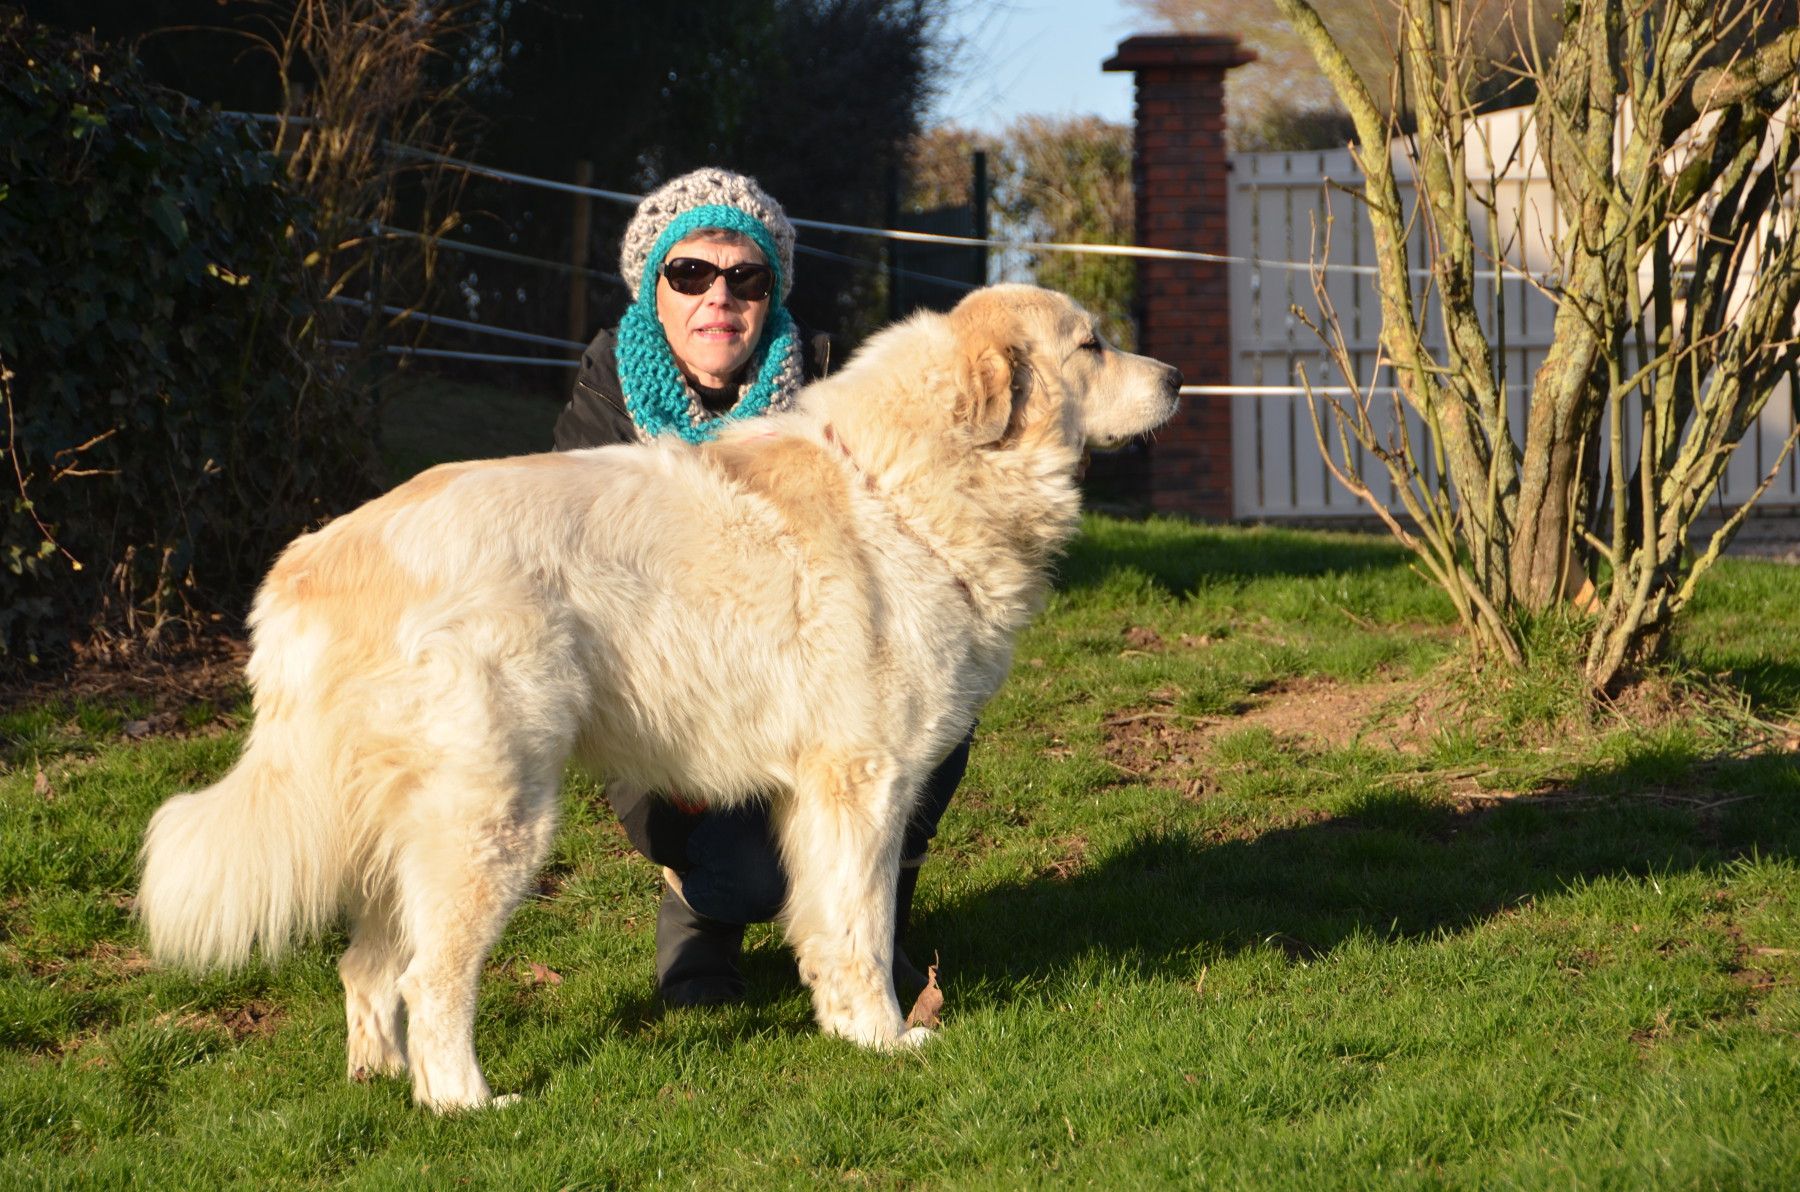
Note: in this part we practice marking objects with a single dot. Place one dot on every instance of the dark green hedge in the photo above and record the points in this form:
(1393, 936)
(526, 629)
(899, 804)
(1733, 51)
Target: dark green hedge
(171, 421)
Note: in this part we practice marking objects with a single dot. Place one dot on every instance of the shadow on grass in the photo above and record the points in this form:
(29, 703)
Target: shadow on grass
(1181, 557)
(1397, 866)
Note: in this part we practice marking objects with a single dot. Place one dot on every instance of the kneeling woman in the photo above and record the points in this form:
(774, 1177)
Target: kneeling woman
(709, 257)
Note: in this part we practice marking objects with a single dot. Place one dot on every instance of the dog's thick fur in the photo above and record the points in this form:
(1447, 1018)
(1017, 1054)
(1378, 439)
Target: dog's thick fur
(811, 609)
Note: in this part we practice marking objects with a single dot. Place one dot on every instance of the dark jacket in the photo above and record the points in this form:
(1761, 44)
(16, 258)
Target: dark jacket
(596, 415)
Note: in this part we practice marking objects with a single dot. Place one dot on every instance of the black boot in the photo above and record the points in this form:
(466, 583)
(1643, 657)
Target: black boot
(908, 980)
(696, 957)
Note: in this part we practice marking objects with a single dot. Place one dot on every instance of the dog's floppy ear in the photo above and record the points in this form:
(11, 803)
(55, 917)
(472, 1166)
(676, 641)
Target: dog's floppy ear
(991, 373)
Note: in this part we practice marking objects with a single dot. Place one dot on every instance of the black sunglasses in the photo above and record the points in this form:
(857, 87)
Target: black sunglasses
(746, 282)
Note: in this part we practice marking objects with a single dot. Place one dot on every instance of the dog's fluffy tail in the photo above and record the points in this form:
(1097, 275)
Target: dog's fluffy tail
(254, 859)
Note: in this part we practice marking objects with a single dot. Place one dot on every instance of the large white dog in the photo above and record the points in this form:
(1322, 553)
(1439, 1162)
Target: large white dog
(811, 609)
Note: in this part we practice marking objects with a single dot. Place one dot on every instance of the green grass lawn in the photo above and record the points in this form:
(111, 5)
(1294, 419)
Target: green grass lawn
(1251, 883)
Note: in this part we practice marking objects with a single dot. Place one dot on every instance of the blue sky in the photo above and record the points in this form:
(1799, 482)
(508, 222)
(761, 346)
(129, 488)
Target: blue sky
(1039, 57)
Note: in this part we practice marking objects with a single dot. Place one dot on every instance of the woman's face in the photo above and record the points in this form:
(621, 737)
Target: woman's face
(712, 334)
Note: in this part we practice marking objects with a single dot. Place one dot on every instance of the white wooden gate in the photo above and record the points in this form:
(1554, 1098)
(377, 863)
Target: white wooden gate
(1280, 203)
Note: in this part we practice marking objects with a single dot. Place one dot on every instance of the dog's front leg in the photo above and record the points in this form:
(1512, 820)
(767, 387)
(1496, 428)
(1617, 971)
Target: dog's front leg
(840, 839)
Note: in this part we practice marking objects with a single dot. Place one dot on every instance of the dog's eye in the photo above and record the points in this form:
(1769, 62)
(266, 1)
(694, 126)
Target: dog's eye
(1093, 344)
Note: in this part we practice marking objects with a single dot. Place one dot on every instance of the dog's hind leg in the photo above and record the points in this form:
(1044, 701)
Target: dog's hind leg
(840, 839)
(370, 970)
(459, 876)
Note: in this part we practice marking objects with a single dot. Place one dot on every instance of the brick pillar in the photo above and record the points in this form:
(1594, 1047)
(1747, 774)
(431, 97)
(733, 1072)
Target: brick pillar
(1181, 176)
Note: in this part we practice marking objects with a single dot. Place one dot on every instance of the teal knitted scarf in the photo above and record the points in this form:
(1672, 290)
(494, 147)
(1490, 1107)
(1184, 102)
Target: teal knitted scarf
(656, 394)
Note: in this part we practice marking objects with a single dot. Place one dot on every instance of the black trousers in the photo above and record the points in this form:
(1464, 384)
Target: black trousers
(729, 864)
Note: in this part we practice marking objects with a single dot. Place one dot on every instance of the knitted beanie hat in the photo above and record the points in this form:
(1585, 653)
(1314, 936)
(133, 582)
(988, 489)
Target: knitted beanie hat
(707, 187)
(657, 395)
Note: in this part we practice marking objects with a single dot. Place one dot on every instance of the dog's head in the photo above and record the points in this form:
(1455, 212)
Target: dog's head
(1032, 364)
(974, 423)
(1010, 385)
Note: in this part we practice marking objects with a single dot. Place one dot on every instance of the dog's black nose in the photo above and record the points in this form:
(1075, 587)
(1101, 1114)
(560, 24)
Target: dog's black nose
(1173, 381)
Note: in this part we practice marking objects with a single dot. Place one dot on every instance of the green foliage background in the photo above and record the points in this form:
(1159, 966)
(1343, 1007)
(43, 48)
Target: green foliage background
(167, 424)
(814, 98)
(1070, 180)
(1053, 179)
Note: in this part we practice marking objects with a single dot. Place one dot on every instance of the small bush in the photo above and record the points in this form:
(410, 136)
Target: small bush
(168, 425)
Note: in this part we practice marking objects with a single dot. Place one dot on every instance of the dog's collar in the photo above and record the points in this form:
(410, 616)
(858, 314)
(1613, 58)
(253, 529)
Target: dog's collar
(901, 520)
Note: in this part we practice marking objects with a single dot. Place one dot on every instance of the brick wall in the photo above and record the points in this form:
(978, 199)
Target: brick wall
(1180, 174)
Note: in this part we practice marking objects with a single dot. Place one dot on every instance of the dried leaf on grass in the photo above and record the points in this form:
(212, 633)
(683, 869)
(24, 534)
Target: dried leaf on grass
(40, 786)
(543, 974)
(929, 1004)
(1142, 637)
(153, 725)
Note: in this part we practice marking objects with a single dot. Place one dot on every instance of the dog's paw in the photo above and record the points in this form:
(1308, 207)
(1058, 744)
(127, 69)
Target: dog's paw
(914, 1038)
(505, 1099)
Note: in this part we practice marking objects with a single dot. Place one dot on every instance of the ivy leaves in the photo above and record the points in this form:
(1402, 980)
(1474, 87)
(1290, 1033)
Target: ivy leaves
(165, 427)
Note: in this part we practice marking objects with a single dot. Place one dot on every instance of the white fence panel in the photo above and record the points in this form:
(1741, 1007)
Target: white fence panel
(1279, 211)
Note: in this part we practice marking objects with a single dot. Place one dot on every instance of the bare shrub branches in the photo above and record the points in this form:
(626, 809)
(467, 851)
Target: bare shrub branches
(1667, 130)
(357, 79)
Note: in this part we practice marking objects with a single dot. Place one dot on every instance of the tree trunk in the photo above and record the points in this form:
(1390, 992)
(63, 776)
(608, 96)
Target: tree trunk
(1564, 412)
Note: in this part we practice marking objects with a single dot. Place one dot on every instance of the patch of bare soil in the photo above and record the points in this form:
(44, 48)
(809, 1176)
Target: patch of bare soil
(207, 670)
(110, 960)
(1402, 714)
(119, 960)
(250, 1020)
(1158, 742)
(1658, 701)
